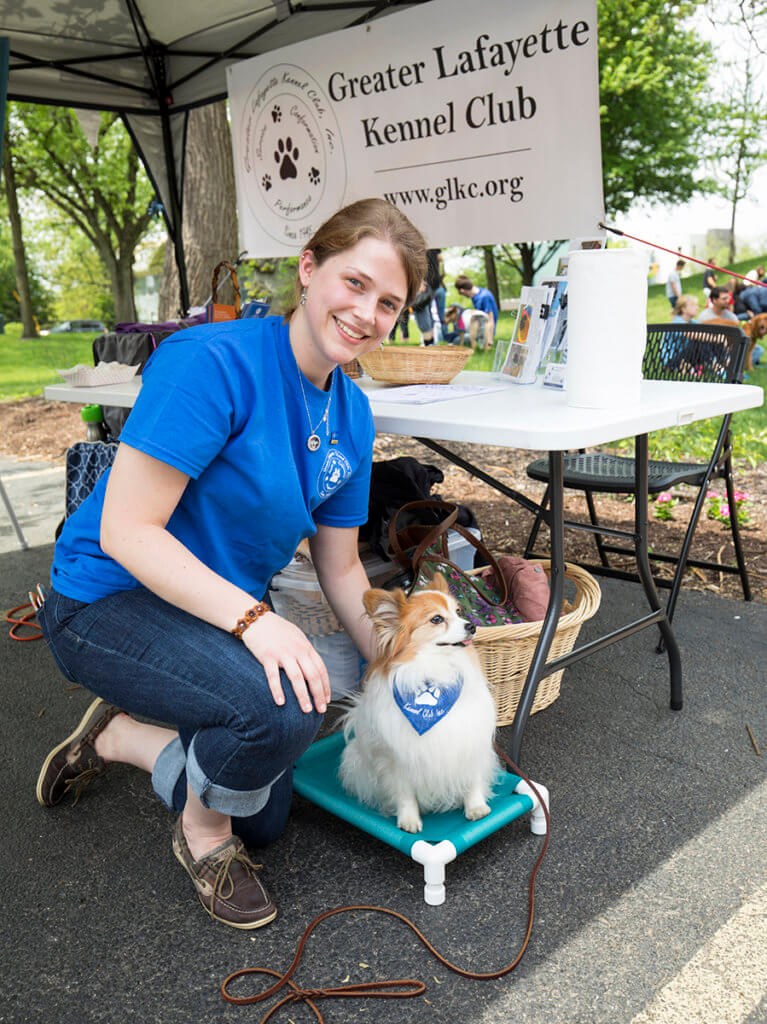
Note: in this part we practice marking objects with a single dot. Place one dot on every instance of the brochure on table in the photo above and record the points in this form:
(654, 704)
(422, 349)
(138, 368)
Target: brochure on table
(525, 350)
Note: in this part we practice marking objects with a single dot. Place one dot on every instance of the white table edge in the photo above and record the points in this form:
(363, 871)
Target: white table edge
(543, 420)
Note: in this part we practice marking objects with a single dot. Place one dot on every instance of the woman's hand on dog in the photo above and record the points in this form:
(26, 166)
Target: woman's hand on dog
(278, 644)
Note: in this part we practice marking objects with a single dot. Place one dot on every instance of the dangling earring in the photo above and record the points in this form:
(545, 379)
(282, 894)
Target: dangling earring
(303, 297)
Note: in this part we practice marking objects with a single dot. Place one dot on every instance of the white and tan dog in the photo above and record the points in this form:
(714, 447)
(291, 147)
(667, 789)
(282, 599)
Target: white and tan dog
(419, 736)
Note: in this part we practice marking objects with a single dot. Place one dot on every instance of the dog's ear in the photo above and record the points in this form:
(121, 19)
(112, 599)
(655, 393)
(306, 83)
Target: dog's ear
(385, 608)
(439, 583)
(383, 604)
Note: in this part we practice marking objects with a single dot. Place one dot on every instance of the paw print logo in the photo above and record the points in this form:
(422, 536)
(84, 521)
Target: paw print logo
(266, 182)
(314, 176)
(276, 114)
(285, 155)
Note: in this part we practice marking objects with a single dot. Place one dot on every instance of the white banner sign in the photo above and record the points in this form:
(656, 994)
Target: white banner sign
(482, 126)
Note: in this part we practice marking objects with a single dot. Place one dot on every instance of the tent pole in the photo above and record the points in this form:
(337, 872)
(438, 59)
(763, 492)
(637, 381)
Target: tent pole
(155, 59)
(175, 211)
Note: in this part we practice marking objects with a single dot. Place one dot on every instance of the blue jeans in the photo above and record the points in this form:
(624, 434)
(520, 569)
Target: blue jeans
(236, 747)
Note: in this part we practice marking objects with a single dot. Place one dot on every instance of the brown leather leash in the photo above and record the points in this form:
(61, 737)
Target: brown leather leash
(400, 988)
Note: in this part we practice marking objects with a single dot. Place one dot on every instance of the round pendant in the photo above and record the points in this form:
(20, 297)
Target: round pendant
(313, 442)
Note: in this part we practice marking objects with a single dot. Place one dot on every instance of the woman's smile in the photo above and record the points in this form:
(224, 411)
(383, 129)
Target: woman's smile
(348, 331)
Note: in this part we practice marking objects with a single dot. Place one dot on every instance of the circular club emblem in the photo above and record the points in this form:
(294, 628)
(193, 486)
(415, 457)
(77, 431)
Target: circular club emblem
(294, 164)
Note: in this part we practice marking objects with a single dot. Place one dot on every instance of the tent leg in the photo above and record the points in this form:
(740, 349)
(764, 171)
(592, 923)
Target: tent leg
(16, 525)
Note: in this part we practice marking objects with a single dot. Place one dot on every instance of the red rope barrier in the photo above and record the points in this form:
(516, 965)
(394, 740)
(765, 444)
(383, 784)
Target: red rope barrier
(681, 255)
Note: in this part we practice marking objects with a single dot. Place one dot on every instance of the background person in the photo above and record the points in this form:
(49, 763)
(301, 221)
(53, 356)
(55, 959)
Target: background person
(719, 309)
(674, 284)
(465, 321)
(754, 299)
(435, 278)
(482, 299)
(709, 279)
(422, 312)
(245, 438)
(685, 310)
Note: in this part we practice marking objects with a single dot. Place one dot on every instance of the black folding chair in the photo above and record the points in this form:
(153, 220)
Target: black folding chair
(686, 352)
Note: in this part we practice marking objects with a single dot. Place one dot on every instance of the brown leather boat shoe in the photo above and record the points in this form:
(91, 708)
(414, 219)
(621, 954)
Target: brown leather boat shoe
(227, 883)
(74, 763)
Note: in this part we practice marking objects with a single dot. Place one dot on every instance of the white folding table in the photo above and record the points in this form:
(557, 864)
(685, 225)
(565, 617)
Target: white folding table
(536, 418)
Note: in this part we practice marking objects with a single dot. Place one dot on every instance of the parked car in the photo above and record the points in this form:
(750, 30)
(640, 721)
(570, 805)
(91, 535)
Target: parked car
(83, 326)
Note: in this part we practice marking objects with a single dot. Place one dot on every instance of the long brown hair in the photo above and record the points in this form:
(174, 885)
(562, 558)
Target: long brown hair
(370, 218)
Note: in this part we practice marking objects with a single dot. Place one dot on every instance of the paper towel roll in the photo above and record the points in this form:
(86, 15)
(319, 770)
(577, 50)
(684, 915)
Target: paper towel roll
(606, 327)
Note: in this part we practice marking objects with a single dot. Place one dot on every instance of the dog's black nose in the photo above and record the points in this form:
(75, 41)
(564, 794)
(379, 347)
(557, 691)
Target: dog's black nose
(471, 628)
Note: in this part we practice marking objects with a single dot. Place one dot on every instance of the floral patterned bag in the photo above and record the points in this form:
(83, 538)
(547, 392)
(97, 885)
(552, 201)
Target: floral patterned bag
(481, 602)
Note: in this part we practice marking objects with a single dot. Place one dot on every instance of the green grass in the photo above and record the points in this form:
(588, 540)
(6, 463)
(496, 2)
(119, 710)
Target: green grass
(27, 365)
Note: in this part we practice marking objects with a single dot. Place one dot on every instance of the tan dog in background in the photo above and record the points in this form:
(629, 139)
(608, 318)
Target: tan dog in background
(754, 329)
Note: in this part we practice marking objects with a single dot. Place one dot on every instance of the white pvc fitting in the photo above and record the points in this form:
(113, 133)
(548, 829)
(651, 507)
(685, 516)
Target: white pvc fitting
(434, 857)
(537, 817)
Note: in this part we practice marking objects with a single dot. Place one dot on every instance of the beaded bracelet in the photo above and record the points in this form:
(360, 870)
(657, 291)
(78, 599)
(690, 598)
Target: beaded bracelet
(249, 617)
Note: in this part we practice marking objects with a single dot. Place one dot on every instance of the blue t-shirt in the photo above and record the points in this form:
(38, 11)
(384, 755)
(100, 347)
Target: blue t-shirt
(223, 404)
(485, 300)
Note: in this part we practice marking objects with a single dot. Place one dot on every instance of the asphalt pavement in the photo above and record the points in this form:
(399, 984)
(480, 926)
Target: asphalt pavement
(651, 905)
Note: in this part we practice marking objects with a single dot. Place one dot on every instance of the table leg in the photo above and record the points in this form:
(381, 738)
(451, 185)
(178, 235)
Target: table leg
(645, 570)
(536, 672)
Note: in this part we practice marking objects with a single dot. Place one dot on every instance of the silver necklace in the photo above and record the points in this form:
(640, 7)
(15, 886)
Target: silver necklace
(313, 440)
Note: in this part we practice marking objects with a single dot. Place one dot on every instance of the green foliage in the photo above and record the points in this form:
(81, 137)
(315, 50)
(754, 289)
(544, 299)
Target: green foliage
(719, 509)
(102, 190)
(740, 146)
(83, 288)
(654, 72)
(42, 300)
(26, 366)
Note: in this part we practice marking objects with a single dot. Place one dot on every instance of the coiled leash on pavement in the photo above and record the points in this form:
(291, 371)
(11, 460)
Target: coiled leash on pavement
(26, 620)
(400, 988)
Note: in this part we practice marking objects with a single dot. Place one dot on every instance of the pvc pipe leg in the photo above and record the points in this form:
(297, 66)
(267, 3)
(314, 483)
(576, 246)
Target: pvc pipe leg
(434, 857)
(537, 817)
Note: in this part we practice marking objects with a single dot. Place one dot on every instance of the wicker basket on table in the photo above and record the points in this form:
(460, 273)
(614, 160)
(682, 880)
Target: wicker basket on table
(505, 652)
(433, 364)
(352, 369)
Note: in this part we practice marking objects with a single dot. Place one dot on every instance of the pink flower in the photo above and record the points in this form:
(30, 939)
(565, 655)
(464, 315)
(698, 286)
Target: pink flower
(724, 510)
(741, 496)
(665, 496)
(711, 494)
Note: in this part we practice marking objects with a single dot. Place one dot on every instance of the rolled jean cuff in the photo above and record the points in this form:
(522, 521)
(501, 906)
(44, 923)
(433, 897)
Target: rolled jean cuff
(167, 770)
(239, 803)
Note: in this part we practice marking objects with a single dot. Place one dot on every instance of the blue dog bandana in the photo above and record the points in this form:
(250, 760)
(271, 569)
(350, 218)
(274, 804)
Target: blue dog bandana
(430, 705)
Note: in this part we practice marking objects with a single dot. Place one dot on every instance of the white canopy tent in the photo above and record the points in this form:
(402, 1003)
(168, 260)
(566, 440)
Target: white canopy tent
(152, 61)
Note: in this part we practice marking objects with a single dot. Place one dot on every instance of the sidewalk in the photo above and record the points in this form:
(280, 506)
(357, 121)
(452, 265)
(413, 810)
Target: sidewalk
(36, 493)
(651, 905)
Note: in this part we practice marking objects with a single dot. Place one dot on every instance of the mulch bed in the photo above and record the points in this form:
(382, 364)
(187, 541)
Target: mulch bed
(36, 429)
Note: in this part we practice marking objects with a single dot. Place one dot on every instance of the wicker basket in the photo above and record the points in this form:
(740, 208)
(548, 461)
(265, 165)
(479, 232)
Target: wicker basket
(433, 364)
(505, 652)
(352, 369)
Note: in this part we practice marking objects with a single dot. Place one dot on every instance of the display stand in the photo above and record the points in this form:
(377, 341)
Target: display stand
(444, 836)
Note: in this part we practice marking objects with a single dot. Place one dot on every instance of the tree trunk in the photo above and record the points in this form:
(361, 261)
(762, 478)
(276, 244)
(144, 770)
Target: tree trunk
(210, 211)
(527, 254)
(122, 289)
(490, 273)
(29, 327)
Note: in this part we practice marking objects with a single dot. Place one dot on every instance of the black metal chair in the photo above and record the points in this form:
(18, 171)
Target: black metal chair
(682, 352)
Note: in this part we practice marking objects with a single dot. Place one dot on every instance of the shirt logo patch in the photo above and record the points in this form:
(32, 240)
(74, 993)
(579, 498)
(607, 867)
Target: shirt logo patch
(336, 470)
(429, 706)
